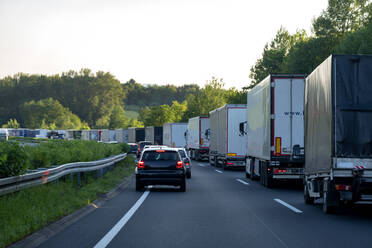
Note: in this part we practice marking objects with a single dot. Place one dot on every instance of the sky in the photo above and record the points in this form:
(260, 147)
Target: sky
(152, 41)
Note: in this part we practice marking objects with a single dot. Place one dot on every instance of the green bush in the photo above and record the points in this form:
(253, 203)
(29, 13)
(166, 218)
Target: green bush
(16, 159)
(13, 159)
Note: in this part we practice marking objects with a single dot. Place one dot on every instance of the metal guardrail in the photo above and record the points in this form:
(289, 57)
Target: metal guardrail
(45, 175)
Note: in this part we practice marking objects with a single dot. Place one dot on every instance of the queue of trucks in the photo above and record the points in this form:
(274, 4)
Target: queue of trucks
(315, 129)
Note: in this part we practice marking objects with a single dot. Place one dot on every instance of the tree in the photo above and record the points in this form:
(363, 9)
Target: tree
(210, 97)
(50, 114)
(341, 17)
(12, 123)
(358, 42)
(273, 56)
(118, 118)
(178, 110)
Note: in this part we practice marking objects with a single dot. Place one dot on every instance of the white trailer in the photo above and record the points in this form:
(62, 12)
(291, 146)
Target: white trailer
(105, 135)
(174, 134)
(132, 135)
(4, 134)
(275, 129)
(85, 134)
(197, 137)
(119, 135)
(227, 144)
(154, 135)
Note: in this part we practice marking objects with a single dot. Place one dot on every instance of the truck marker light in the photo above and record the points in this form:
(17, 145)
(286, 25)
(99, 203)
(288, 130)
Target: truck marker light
(179, 165)
(268, 169)
(229, 163)
(231, 154)
(342, 187)
(278, 145)
(141, 165)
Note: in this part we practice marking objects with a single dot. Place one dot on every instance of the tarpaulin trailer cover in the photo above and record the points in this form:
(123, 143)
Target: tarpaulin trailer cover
(338, 111)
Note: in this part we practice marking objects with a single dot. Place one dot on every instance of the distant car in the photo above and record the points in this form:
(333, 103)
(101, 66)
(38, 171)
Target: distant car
(140, 147)
(160, 167)
(132, 147)
(186, 159)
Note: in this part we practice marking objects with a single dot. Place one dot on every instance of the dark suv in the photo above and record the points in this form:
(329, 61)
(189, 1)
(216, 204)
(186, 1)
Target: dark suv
(160, 167)
(141, 145)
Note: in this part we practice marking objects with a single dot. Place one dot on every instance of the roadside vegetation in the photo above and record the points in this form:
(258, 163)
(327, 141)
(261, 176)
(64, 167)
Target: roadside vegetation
(344, 27)
(29, 210)
(16, 159)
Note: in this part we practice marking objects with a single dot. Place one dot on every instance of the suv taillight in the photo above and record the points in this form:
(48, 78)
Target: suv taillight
(179, 165)
(141, 165)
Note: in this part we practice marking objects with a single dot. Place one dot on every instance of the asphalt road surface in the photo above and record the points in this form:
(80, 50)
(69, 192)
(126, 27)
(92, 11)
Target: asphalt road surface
(219, 209)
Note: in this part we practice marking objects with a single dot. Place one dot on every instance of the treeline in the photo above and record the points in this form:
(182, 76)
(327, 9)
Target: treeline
(152, 95)
(345, 27)
(83, 100)
(212, 96)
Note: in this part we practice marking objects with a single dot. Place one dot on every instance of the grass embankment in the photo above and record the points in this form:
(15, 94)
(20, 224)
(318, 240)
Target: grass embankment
(31, 209)
(16, 159)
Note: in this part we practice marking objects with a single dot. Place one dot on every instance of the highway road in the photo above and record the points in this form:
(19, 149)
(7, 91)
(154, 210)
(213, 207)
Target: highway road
(219, 209)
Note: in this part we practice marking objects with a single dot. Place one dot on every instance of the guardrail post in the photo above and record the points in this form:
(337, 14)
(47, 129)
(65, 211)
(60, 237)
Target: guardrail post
(57, 181)
(78, 179)
(72, 176)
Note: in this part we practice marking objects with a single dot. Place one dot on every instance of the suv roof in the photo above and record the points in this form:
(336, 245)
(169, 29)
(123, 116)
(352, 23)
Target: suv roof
(162, 148)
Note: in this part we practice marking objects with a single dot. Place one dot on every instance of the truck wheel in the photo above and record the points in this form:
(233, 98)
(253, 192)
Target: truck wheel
(307, 199)
(139, 186)
(253, 178)
(183, 186)
(269, 181)
(326, 207)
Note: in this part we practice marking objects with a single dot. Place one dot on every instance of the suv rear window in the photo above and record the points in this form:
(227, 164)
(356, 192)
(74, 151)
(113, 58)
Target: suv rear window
(160, 156)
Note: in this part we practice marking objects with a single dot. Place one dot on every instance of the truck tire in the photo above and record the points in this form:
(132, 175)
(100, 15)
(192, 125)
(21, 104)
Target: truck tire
(253, 178)
(183, 186)
(327, 209)
(307, 199)
(269, 182)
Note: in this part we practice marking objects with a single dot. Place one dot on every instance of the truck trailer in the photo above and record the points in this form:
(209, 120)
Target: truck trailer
(227, 145)
(136, 135)
(154, 135)
(275, 129)
(174, 134)
(338, 131)
(197, 138)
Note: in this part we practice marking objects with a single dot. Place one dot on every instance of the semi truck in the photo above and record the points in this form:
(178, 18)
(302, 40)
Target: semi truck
(338, 131)
(227, 146)
(275, 129)
(174, 134)
(197, 138)
(154, 135)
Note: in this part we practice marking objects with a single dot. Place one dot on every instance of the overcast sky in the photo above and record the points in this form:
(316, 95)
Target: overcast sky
(151, 41)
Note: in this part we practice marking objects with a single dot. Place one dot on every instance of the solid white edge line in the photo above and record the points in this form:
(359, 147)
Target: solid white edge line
(288, 206)
(243, 182)
(121, 223)
(218, 171)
